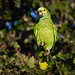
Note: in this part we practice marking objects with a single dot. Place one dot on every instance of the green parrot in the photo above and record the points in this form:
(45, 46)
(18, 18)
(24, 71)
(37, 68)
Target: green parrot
(45, 31)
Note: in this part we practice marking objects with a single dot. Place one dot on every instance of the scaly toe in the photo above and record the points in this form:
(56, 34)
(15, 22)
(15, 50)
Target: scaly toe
(47, 53)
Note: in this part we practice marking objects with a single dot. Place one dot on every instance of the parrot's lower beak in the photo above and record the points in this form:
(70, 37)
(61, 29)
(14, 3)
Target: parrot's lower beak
(40, 14)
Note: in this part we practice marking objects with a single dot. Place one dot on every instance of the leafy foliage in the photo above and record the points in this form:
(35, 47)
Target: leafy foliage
(19, 53)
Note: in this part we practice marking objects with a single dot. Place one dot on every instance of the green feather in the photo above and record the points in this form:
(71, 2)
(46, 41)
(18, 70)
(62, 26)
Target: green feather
(44, 31)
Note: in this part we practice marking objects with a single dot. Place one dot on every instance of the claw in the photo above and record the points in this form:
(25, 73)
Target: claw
(47, 53)
(17, 50)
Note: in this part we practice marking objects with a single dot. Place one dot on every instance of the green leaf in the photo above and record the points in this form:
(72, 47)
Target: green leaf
(16, 45)
(31, 62)
(43, 65)
(51, 63)
(74, 60)
(61, 56)
(40, 54)
(4, 57)
(17, 3)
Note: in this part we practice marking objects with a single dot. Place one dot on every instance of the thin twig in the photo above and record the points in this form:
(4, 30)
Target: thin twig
(56, 65)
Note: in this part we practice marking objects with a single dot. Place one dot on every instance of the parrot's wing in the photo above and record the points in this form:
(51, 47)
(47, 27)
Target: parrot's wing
(35, 33)
(55, 32)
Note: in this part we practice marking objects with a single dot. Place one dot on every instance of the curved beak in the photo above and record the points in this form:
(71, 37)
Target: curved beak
(40, 13)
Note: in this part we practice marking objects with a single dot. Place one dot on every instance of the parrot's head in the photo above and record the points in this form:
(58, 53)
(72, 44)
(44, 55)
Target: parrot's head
(43, 13)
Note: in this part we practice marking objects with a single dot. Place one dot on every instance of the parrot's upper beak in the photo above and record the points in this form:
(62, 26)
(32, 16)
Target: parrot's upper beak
(40, 13)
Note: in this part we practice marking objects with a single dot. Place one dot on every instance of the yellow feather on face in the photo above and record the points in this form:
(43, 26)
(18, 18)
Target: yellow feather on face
(44, 12)
(42, 9)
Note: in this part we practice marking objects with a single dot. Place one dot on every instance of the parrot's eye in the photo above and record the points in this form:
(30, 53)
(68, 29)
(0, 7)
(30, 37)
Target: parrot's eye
(44, 9)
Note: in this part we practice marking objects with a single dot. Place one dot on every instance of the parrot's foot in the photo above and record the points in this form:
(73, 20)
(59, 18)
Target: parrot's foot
(42, 44)
(17, 50)
(47, 53)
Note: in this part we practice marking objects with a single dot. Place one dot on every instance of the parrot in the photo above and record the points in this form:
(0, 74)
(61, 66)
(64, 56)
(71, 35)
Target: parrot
(45, 31)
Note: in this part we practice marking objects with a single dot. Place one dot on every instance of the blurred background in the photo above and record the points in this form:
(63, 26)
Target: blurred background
(17, 44)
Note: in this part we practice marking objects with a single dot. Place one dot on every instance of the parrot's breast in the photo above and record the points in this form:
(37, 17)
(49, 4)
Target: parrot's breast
(44, 33)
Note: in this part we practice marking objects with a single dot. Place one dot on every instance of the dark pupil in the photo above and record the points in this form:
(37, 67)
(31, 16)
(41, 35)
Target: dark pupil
(44, 9)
